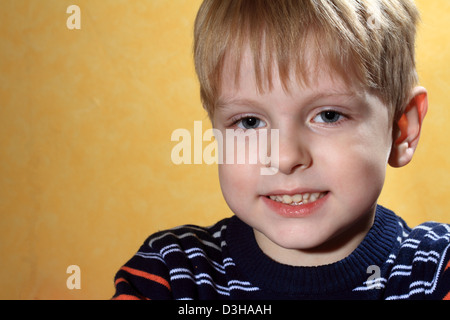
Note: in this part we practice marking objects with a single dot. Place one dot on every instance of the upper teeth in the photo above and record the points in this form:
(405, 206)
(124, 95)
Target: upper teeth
(298, 198)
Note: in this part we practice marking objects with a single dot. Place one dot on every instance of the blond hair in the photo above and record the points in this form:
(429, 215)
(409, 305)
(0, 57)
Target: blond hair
(368, 40)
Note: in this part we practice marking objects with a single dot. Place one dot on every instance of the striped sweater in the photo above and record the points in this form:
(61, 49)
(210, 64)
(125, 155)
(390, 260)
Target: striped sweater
(224, 262)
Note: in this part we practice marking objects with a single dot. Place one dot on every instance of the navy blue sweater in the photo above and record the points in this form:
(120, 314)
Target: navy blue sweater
(224, 262)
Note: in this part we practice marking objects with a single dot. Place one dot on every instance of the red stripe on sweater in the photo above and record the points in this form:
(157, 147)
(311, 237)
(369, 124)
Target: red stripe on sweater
(147, 275)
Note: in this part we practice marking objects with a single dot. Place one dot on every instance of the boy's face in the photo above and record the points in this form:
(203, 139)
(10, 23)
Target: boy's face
(334, 144)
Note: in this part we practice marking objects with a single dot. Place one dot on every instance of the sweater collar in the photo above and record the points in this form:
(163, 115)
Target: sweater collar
(343, 275)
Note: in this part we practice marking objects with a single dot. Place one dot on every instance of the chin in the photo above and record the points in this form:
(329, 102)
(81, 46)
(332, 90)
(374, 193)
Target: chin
(298, 238)
(300, 243)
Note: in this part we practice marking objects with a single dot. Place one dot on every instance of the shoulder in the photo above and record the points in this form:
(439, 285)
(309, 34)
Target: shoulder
(166, 264)
(185, 237)
(428, 236)
(421, 268)
(427, 247)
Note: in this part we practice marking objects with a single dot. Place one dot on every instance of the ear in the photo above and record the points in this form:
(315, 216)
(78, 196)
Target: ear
(408, 128)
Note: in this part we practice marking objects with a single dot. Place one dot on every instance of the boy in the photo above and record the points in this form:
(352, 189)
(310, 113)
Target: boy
(336, 79)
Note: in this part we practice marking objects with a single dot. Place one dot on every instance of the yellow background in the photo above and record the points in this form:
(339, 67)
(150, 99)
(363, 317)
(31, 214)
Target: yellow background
(86, 118)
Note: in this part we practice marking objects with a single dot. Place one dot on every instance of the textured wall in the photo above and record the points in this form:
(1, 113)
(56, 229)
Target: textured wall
(86, 118)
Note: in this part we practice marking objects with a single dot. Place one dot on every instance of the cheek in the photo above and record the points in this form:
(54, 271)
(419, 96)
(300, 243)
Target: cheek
(240, 172)
(238, 184)
(356, 166)
(359, 172)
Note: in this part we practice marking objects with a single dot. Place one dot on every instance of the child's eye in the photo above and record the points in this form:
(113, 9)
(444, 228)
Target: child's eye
(328, 116)
(250, 123)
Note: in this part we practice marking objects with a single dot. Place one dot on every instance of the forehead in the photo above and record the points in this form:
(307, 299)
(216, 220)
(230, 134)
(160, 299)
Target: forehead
(318, 77)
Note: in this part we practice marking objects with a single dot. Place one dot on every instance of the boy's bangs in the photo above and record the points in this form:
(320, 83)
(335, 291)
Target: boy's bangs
(300, 38)
(291, 36)
(315, 51)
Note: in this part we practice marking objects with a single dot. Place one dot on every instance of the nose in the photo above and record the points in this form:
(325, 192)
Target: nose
(293, 151)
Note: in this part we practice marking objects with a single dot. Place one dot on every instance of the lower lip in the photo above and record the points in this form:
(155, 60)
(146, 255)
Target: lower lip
(299, 211)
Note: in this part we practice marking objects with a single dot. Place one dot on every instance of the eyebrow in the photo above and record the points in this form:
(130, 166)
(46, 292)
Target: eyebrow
(224, 103)
(229, 101)
(350, 95)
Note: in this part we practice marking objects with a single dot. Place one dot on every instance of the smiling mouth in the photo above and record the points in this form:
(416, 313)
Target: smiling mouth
(298, 199)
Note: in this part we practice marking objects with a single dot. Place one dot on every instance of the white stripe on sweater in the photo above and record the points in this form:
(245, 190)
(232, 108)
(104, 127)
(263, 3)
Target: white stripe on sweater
(204, 278)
